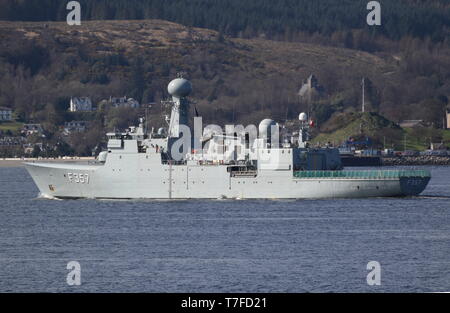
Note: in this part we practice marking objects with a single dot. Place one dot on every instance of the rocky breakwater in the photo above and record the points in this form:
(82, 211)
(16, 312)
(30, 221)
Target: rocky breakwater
(416, 160)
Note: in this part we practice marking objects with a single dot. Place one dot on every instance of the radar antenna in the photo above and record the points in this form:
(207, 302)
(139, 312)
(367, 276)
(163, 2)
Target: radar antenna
(303, 135)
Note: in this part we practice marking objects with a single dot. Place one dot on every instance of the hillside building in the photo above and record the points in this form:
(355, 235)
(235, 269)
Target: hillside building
(11, 141)
(75, 127)
(123, 102)
(28, 148)
(5, 114)
(310, 88)
(80, 104)
(437, 146)
(412, 123)
(31, 129)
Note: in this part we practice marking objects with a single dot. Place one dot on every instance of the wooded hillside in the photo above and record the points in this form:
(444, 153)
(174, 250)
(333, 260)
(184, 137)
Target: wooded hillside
(249, 66)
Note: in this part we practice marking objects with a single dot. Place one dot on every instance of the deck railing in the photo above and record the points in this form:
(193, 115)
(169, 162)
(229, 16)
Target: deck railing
(367, 174)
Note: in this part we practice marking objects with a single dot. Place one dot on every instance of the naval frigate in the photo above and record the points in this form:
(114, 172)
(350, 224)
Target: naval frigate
(142, 164)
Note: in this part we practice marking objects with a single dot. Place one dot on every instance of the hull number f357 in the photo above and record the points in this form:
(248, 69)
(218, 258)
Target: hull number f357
(78, 178)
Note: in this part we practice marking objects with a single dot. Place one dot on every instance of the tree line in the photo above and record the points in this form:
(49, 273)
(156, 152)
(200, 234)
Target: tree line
(272, 19)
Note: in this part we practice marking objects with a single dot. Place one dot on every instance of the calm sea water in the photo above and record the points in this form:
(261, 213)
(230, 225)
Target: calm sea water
(223, 246)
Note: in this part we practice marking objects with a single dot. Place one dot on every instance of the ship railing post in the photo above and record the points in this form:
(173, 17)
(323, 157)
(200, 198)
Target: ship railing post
(170, 179)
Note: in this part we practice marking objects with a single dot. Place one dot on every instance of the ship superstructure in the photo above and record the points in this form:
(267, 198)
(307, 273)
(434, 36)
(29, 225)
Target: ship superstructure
(185, 162)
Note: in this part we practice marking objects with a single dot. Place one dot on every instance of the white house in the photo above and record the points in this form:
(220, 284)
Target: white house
(31, 129)
(11, 141)
(5, 114)
(124, 102)
(78, 104)
(412, 123)
(75, 127)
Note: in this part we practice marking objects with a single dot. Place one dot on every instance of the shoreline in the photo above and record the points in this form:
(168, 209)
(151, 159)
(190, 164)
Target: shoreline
(386, 161)
(416, 160)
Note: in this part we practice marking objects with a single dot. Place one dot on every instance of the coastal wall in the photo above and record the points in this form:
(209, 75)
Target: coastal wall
(416, 160)
(354, 161)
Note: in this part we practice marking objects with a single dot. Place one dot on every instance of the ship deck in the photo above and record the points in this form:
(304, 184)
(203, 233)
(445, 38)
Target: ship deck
(366, 174)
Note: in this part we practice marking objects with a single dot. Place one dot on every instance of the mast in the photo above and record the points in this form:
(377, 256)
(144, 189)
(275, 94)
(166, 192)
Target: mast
(363, 95)
(179, 89)
(179, 115)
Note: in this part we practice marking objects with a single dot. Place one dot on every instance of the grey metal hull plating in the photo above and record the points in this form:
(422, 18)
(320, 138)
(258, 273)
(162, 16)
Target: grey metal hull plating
(140, 180)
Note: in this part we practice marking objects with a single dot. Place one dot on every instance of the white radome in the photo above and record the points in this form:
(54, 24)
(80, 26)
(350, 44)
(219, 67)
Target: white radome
(161, 131)
(102, 156)
(179, 87)
(303, 117)
(265, 127)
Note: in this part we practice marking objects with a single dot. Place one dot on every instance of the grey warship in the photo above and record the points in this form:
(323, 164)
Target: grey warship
(142, 164)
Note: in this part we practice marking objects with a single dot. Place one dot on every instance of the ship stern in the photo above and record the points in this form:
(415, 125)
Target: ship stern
(414, 185)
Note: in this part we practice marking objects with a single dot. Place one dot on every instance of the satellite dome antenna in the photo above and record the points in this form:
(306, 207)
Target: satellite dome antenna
(303, 117)
(179, 88)
(303, 135)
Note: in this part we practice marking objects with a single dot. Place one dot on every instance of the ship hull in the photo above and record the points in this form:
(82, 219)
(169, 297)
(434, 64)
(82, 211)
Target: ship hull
(142, 181)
